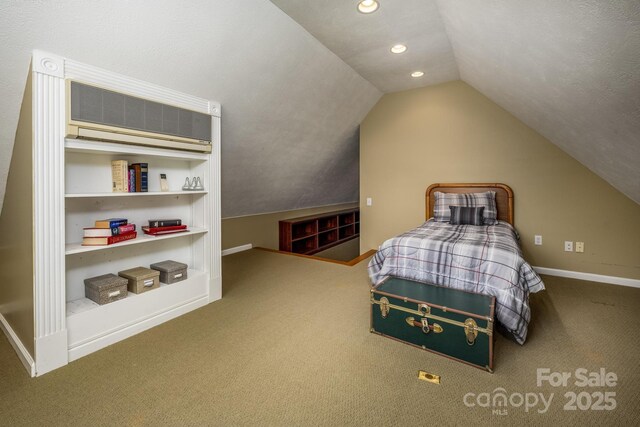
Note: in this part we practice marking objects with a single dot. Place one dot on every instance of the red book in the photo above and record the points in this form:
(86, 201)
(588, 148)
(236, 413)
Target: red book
(164, 230)
(138, 176)
(103, 241)
(107, 232)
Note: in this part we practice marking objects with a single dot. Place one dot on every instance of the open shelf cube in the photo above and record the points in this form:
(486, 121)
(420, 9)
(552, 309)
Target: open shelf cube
(306, 245)
(327, 223)
(327, 238)
(347, 231)
(303, 229)
(346, 218)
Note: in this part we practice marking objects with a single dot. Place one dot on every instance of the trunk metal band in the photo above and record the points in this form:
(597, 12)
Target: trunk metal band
(425, 311)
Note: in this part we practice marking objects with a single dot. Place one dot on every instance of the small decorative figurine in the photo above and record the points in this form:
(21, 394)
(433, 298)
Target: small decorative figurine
(194, 184)
(187, 184)
(198, 184)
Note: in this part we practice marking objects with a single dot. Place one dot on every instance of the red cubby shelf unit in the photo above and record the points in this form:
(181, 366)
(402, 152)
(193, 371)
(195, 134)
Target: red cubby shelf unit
(314, 233)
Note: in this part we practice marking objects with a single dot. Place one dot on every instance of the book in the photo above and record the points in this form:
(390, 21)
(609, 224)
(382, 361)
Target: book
(106, 232)
(137, 177)
(157, 231)
(144, 177)
(132, 180)
(141, 176)
(165, 228)
(119, 176)
(110, 222)
(103, 241)
(164, 222)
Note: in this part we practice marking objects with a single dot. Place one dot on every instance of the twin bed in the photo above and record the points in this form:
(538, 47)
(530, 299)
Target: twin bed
(484, 258)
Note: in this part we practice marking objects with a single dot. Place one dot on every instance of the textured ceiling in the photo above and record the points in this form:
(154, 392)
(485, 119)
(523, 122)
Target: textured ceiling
(364, 40)
(568, 69)
(291, 108)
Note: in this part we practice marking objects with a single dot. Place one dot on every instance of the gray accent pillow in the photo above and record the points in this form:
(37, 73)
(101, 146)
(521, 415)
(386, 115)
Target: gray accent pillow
(441, 212)
(464, 215)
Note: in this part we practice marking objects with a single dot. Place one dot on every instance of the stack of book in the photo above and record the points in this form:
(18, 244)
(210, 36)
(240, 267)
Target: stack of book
(159, 227)
(129, 178)
(108, 232)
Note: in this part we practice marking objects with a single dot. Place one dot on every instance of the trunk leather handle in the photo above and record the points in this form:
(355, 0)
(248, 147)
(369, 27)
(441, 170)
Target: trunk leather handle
(424, 325)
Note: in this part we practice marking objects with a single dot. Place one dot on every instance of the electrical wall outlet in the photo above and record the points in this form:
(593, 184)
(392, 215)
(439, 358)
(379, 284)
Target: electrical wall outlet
(369, 201)
(579, 246)
(568, 246)
(537, 239)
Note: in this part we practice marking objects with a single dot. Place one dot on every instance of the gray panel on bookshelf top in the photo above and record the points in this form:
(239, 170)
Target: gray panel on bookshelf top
(106, 107)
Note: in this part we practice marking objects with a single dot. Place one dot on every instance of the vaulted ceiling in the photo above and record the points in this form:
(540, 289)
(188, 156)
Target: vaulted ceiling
(290, 107)
(293, 93)
(568, 69)
(364, 41)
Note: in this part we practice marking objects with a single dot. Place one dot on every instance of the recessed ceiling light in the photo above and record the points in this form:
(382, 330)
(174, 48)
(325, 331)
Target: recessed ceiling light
(399, 48)
(368, 6)
(417, 74)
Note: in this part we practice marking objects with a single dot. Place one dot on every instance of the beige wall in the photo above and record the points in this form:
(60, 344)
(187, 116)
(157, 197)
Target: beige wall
(452, 133)
(16, 233)
(262, 230)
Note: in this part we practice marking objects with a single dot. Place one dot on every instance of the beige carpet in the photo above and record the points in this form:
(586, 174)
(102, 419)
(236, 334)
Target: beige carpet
(289, 344)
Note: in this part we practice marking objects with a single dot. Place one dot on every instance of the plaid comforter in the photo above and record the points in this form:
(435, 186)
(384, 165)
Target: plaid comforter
(482, 259)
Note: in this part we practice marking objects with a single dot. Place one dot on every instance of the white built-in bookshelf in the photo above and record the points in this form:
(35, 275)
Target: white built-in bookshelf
(72, 189)
(88, 197)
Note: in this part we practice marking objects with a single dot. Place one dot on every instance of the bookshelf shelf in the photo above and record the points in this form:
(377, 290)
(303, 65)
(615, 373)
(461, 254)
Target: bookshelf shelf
(83, 305)
(77, 248)
(141, 194)
(85, 319)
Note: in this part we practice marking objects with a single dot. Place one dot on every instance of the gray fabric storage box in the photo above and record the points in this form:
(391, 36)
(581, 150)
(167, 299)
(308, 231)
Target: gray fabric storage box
(106, 288)
(171, 271)
(140, 279)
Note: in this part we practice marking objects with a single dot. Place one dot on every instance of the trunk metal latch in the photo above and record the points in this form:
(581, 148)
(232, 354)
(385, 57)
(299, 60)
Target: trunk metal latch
(471, 331)
(384, 307)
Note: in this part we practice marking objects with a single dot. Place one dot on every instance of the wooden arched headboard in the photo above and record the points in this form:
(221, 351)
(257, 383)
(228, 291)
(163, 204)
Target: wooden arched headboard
(504, 196)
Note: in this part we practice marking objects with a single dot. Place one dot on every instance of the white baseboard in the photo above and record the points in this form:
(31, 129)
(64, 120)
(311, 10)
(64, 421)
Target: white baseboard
(23, 353)
(237, 249)
(622, 281)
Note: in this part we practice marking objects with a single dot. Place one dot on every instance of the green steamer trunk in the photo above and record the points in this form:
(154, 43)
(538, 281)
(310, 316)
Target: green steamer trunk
(445, 321)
